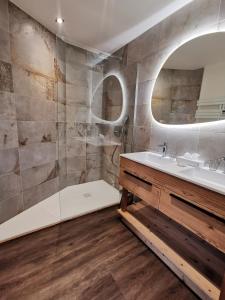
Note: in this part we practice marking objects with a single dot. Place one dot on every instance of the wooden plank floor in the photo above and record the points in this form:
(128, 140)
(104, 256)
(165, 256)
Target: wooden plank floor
(94, 257)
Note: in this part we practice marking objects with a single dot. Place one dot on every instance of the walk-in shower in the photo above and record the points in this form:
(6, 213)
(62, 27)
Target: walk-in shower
(70, 124)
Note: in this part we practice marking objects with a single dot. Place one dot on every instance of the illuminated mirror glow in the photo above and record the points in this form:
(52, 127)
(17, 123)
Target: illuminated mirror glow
(108, 103)
(190, 86)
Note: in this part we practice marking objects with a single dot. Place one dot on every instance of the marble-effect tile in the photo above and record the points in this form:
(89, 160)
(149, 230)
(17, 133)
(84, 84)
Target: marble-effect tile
(6, 80)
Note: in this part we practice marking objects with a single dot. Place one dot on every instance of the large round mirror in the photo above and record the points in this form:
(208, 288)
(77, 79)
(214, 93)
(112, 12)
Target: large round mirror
(107, 100)
(190, 87)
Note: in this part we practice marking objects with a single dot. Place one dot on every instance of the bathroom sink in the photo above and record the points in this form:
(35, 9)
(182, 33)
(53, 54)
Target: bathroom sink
(151, 158)
(157, 158)
(205, 175)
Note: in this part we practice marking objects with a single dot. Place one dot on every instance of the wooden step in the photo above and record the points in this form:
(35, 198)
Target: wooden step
(165, 239)
(201, 255)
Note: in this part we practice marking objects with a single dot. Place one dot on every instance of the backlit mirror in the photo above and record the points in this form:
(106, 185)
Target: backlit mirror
(107, 100)
(190, 87)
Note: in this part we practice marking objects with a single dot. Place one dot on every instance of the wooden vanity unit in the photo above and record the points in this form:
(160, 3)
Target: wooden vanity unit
(183, 223)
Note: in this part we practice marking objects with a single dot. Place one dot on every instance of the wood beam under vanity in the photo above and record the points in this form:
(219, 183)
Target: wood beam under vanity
(222, 294)
(124, 199)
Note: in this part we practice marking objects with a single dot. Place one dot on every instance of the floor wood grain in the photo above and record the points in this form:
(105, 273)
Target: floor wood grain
(94, 257)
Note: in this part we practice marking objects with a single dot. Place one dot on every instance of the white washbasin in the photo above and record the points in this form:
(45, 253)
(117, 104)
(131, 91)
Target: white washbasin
(205, 175)
(158, 159)
(151, 158)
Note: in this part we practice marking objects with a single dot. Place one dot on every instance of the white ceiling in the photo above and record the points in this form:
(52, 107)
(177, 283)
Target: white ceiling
(205, 50)
(103, 25)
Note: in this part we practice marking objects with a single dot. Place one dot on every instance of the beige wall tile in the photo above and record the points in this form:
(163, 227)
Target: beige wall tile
(7, 106)
(40, 192)
(35, 109)
(6, 81)
(4, 15)
(11, 207)
(93, 174)
(8, 135)
(37, 154)
(9, 161)
(10, 186)
(76, 164)
(26, 34)
(39, 174)
(36, 132)
(5, 46)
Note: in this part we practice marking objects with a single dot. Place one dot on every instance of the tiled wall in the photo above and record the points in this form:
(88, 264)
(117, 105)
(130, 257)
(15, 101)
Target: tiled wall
(33, 66)
(44, 113)
(77, 114)
(11, 200)
(29, 161)
(79, 162)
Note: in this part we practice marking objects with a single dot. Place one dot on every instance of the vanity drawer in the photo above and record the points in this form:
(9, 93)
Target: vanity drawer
(141, 188)
(138, 169)
(202, 223)
(197, 195)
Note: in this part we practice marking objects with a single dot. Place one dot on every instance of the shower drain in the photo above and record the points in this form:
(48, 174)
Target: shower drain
(87, 195)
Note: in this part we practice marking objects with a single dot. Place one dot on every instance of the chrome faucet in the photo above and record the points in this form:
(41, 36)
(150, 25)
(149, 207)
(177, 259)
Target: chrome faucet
(214, 164)
(222, 160)
(164, 149)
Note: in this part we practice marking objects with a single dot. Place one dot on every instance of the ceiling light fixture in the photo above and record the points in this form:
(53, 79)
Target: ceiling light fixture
(59, 20)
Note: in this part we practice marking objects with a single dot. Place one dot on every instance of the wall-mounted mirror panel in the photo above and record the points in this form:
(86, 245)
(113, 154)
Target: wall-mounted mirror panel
(107, 100)
(190, 87)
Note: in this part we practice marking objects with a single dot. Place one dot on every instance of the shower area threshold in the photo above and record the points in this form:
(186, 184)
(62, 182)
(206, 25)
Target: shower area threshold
(71, 202)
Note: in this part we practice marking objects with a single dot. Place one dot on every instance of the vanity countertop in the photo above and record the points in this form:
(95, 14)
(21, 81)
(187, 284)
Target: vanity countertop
(206, 178)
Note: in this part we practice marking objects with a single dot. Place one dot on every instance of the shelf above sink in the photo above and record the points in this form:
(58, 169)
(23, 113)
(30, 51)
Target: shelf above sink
(98, 142)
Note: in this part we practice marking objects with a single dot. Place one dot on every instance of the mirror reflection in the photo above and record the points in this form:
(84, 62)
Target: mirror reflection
(107, 99)
(190, 87)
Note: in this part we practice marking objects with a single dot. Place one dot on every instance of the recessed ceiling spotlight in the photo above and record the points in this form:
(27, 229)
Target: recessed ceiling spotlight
(59, 20)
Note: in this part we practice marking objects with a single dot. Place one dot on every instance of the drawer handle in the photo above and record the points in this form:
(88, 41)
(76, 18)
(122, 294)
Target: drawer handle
(136, 177)
(198, 208)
